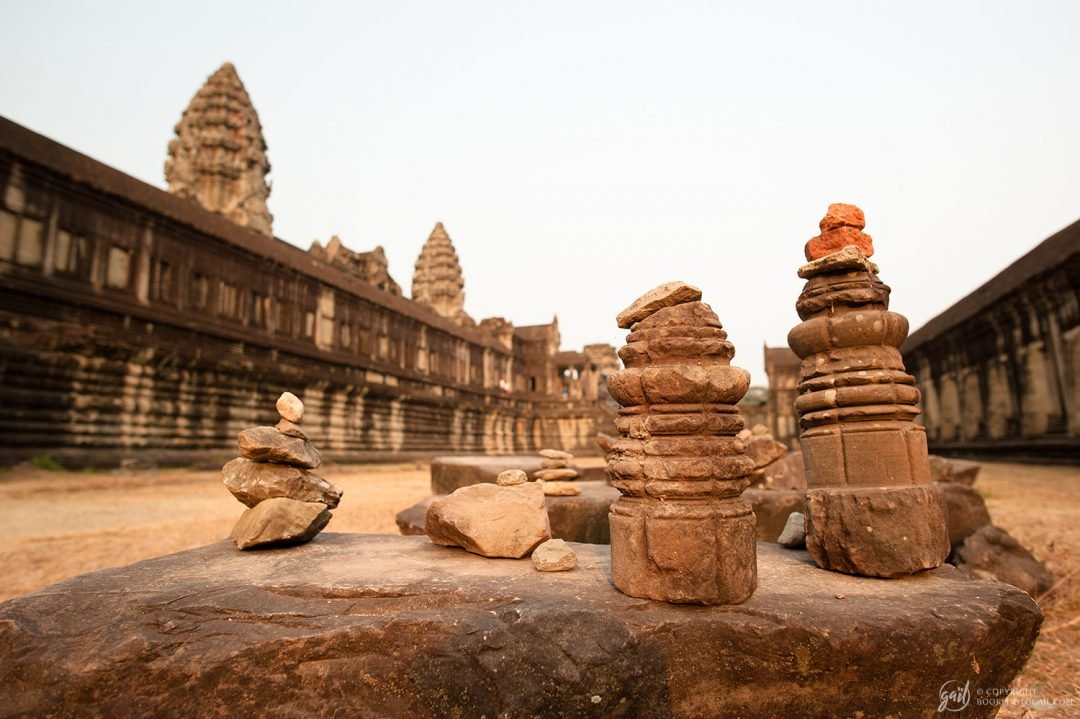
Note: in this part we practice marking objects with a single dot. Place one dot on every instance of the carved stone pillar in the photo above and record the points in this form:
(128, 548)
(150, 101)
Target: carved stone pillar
(870, 509)
(680, 532)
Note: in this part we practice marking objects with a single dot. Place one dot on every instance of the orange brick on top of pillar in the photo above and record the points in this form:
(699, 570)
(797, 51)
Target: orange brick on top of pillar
(680, 532)
(870, 508)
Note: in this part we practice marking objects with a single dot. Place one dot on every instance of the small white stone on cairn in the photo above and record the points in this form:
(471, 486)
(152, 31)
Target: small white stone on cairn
(290, 407)
(511, 478)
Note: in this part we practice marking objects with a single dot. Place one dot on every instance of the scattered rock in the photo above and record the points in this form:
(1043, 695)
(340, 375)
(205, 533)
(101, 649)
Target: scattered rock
(252, 482)
(744, 435)
(290, 407)
(511, 478)
(554, 555)
(490, 520)
(765, 450)
(267, 444)
(554, 475)
(772, 508)
(559, 489)
(290, 429)
(960, 471)
(992, 553)
(279, 522)
(794, 534)
(786, 473)
(965, 509)
(666, 295)
(555, 454)
(554, 464)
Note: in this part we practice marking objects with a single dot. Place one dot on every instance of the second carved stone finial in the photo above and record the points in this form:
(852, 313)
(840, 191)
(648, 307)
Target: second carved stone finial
(870, 509)
(680, 532)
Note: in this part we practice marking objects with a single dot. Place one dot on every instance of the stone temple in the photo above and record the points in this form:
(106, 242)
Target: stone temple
(142, 324)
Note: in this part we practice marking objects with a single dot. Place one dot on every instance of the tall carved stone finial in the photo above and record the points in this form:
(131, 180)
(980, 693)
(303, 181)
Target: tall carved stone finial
(870, 509)
(680, 532)
(438, 282)
(218, 157)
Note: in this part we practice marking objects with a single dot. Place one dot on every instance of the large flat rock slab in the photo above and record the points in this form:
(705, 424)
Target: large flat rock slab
(386, 626)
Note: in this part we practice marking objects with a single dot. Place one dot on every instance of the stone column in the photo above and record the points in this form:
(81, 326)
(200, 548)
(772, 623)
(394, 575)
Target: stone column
(680, 532)
(870, 509)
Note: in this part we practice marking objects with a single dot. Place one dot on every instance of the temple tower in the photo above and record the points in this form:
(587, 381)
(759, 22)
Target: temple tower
(680, 532)
(218, 157)
(870, 508)
(438, 282)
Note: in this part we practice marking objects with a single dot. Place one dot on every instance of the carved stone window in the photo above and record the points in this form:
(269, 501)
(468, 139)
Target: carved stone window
(21, 239)
(200, 292)
(118, 271)
(162, 285)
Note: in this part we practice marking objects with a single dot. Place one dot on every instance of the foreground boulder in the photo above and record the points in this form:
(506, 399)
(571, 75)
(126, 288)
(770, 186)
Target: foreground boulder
(381, 626)
(490, 520)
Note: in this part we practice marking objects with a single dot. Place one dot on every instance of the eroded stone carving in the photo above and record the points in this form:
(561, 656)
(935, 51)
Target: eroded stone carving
(680, 532)
(438, 282)
(371, 267)
(870, 509)
(218, 157)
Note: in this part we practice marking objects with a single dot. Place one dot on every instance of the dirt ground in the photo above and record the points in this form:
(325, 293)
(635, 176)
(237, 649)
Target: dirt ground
(54, 525)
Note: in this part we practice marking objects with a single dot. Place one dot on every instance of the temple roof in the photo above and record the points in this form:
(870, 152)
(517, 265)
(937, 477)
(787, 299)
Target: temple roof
(438, 282)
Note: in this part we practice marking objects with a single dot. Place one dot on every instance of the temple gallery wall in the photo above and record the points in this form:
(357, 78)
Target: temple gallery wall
(140, 323)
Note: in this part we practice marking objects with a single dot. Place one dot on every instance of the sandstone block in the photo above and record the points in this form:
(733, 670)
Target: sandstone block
(666, 295)
(559, 489)
(290, 407)
(554, 555)
(765, 450)
(555, 454)
(267, 444)
(490, 520)
(279, 522)
(310, 622)
(554, 475)
(252, 482)
(965, 510)
(993, 553)
(878, 531)
(511, 478)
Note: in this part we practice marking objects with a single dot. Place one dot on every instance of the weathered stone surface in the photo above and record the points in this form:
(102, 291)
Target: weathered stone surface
(279, 522)
(290, 429)
(960, 471)
(877, 531)
(869, 509)
(554, 464)
(765, 450)
(559, 489)
(290, 407)
(993, 553)
(267, 444)
(511, 478)
(841, 215)
(680, 532)
(604, 441)
(432, 632)
(218, 157)
(252, 482)
(786, 473)
(554, 475)
(450, 473)
(554, 555)
(794, 534)
(772, 508)
(555, 454)
(490, 520)
(965, 510)
(668, 294)
(579, 518)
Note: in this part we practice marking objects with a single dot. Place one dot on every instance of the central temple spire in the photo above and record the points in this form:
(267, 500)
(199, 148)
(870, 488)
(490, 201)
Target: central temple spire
(218, 157)
(438, 282)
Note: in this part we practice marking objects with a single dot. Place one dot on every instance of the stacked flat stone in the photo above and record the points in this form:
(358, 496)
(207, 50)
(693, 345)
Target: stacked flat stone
(681, 531)
(287, 503)
(870, 508)
(555, 474)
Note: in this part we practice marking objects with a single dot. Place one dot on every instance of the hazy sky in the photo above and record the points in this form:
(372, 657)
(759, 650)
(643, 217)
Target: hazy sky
(580, 153)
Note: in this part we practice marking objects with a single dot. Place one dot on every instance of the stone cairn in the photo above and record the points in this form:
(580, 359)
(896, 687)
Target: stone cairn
(287, 503)
(870, 509)
(555, 475)
(680, 532)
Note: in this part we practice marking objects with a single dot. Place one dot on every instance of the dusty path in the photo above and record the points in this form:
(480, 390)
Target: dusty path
(57, 524)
